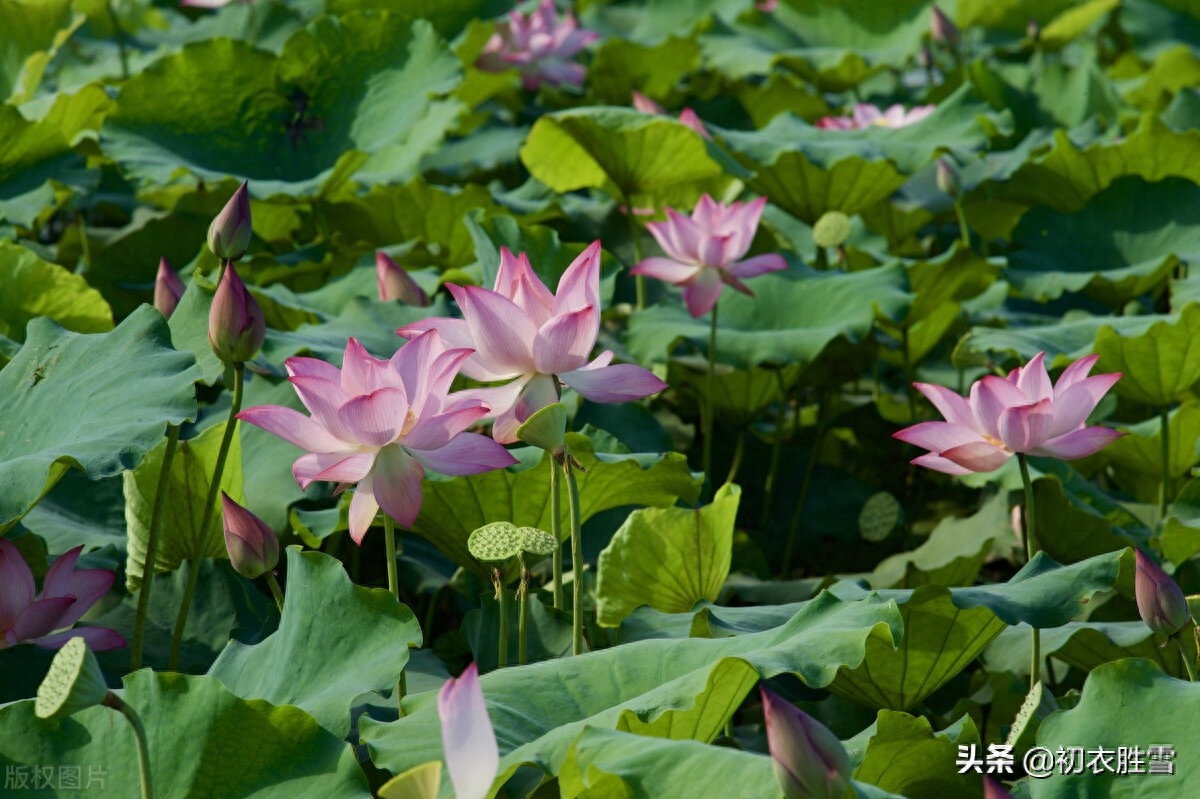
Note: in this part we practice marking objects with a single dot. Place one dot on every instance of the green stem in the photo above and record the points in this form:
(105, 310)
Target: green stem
(794, 528)
(556, 531)
(1031, 549)
(1185, 657)
(738, 451)
(505, 608)
(639, 281)
(522, 617)
(119, 35)
(822, 260)
(189, 591)
(776, 451)
(156, 515)
(389, 543)
(139, 734)
(1164, 487)
(576, 559)
(908, 377)
(276, 591)
(709, 483)
(964, 233)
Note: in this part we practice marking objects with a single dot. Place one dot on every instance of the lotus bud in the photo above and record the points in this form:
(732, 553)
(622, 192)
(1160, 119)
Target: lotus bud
(236, 327)
(1160, 602)
(252, 545)
(396, 284)
(168, 288)
(74, 682)
(644, 104)
(942, 29)
(809, 761)
(947, 178)
(229, 233)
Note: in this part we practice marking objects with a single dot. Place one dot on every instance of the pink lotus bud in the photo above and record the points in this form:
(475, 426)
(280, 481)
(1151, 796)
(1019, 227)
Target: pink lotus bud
(1160, 602)
(993, 790)
(942, 29)
(396, 284)
(229, 233)
(236, 327)
(252, 545)
(810, 762)
(168, 288)
(947, 177)
(644, 104)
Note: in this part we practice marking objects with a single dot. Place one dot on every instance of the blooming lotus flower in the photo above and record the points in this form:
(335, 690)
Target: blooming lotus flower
(687, 116)
(703, 251)
(229, 232)
(809, 760)
(379, 424)
(866, 116)
(168, 288)
(1160, 602)
(468, 740)
(252, 546)
(66, 595)
(524, 334)
(1020, 413)
(539, 45)
(236, 328)
(395, 283)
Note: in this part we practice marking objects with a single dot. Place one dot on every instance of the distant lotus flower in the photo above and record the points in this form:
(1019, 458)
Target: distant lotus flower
(524, 334)
(1020, 413)
(1160, 602)
(380, 424)
(211, 3)
(66, 595)
(942, 29)
(396, 284)
(252, 546)
(809, 760)
(236, 328)
(229, 232)
(687, 116)
(468, 740)
(703, 251)
(168, 288)
(867, 116)
(539, 45)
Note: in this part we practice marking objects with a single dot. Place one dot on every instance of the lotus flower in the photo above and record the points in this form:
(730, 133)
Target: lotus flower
(66, 595)
(468, 740)
(539, 45)
(236, 328)
(687, 116)
(1160, 602)
(379, 424)
(1020, 413)
(867, 116)
(524, 334)
(168, 288)
(252, 546)
(809, 760)
(703, 251)
(395, 283)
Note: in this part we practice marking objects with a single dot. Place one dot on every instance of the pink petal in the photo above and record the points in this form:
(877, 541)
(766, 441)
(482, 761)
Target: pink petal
(323, 398)
(708, 214)
(565, 342)
(978, 456)
(950, 405)
(1074, 373)
(376, 419)
(359, 369)
(759, 264)
(990, 397)
(939, 464)
(689, 117)
(99, 639)
(665, 269)
(363, 508)
(1026, 427)
(1079, 443)
(623, 382)
(717, 251)
(434, 431)
(313, 367)
(644, 104)
(702, 293)
(336, 467)
(466, 453)
(1033, 380)
(41, 617)
(501, 332)
(1072, 406)
(579, 286)
(17, 588)
(397, 484)
(86, 586)
(517, 281)
(57, 581)
(938, 437)
(498, 399)
(468, 740)
(456, 334)
(536, 393)
(679, 236)
(426, 369)
(293, 427)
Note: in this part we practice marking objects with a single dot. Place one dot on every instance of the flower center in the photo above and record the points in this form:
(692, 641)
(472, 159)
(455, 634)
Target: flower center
(994, 441)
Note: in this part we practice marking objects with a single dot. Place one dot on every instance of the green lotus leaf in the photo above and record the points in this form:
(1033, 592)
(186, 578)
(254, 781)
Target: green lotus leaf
(548, 632)
(1063, 341)
(667, 558)
(1157, 367)
(1087, 645)
(781, 92)
(189, 328)
(1139, 455)
(1173, 69)
(79, 511)
(327, 622)
(270, 487)
(739, 396)
(906, 756)
(33, 287)
(657, 21)
(33, 32)
(1181, 531)
(448, 17)
(1067, 528)
(620, 67)
(60, 384)
(1010, 16)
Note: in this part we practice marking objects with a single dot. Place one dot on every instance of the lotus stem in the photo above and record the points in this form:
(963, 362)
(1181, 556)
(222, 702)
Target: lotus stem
(556, 531)
(139, 734)
(639, 281)
(964, 232)
(505, 600)
(776, 451)
(276, 591)
(1185, 657)
(708, 402)
(389, 543)
(805, 484)
(189, 591)
(908, 376)
(576, 559)
(1031, 549)
(1164, 487)
(156, 515)
(522, 616)
(738, 450)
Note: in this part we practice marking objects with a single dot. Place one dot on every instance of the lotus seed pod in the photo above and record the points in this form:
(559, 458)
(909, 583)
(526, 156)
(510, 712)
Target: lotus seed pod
(74, 682)
(495, 542)
(537, 542)
(832, 229)
(880, 514)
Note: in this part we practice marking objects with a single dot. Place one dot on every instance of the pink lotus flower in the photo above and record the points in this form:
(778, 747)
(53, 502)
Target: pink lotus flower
(168, 288)
(687, 116)
(1020, 413)
(380, 424)
(539, 45)
(703, 251)
(866, 116)
(395, 283)
(468, 740)
(809, 760)
(522, 333)
(66, 595)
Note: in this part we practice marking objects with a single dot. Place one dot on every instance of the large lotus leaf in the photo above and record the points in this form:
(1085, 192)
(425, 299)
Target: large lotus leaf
(1181, 531)
(266, 458)
(1067, 528)
(448, 17)
(1123, 243)
(189, 328)
(904, 755)
(679, 689)
(453, 507)
(233, 747)
(956, 275)
(738, 395)
(1010, 15)
(33, 287)
(80, 511)
(32, 32)
(781, 92)
(1063, 341)
(791, 318)
(658, 19)
(621, 67)
(1087, 645)
(65, 401)
(355, 87)
(667, 558)
(328, 623)
(181, 537)
(1138, 455)
(1127, 703)
(1157, 367)
(1173, 69)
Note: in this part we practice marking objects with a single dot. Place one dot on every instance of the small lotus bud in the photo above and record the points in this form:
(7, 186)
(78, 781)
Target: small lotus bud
(73, 683)
(236, 327)
(229, 233)
(644, 104)
(809, 761)
(252, 545)
(690, 118)
(396, 284)
(168, 288)
(947, 178)
(832, 229)
(1160, 602)
(942, 29)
